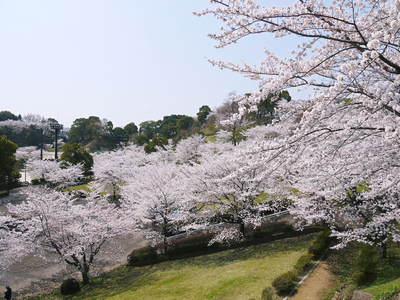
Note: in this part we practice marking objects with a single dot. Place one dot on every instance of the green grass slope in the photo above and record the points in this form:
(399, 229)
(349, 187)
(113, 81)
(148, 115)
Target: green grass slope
(235, 274)
(388, 271)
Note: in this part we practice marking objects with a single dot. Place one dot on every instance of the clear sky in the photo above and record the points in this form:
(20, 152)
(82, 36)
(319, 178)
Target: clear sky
(124, 60)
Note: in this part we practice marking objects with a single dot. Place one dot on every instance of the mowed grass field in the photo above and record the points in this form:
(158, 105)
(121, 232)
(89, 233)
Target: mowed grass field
(235, 274)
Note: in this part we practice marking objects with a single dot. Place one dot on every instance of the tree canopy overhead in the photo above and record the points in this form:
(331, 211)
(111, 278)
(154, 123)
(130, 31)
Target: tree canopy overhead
(346, 133)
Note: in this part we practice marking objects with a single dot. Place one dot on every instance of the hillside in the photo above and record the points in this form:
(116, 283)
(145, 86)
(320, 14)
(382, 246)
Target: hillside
(235, 274)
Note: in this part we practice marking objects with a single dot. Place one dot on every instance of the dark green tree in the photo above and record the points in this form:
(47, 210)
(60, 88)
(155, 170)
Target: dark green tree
(119, 135)
(8, 173)
(28, 136)
(74, 153)
(266, 109)
(156, 142)
(140, 139)
(169, 127)
(131, 129)
(6, 115)
(203, 113)
(185, 123)
(150, 128)
(108, 128)
(85, 130)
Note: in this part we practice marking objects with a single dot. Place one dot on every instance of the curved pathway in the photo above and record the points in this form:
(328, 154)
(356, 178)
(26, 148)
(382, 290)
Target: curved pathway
(315, 285)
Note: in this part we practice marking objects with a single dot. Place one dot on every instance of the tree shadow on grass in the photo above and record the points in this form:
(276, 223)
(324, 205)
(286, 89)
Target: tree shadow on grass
(269, 249)
(117, 281)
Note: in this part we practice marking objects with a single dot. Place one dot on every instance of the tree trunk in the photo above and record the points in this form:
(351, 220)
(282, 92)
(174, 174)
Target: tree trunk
(8, 184)
(165, 242)
(85, 275)
(383, 250)
(242, 229)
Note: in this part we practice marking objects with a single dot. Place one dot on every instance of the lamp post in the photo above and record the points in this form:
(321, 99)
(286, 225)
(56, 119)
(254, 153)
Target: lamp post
(41, 143)
(56, 127)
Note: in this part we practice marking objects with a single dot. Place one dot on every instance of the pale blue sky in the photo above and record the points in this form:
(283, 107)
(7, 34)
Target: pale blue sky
(124, 60)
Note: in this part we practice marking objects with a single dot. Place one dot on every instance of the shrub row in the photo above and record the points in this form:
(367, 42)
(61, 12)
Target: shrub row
(285, 283)
(304, 263)
(268, 294)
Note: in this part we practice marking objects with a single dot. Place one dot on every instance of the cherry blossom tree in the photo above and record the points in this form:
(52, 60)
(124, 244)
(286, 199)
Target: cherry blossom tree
(190, 150)
(348, 46)
(231, 118)
(26, 153)
(12, 246)
(53, 172)
(235, 187)
(347, 132)
(113, 168)
(75, 232)
(351, 185)
(156, 201)
(27, 121)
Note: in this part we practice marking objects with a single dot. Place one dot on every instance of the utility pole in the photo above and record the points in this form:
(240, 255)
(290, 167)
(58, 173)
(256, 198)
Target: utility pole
(56, 127)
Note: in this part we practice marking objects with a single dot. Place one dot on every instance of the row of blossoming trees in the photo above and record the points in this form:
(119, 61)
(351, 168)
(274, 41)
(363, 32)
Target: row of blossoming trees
(331, 159)
(189, 186)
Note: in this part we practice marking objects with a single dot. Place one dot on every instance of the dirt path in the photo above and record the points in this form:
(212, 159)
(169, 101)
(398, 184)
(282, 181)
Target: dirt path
(313, 288)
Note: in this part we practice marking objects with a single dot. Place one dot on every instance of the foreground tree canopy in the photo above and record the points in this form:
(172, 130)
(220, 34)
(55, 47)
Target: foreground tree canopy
(346, 135)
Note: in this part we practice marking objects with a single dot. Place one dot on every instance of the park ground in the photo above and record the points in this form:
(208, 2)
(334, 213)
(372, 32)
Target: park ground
(235, 274)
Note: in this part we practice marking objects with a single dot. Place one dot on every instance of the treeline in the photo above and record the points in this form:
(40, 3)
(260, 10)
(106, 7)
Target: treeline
(96, 134)
(26, 132)
(9, 173)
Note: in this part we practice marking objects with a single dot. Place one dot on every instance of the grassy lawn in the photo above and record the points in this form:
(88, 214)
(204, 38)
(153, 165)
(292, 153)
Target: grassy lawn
(236, 274)
(82, 187)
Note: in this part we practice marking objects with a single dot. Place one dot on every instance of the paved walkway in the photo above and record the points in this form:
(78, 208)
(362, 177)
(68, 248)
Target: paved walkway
(313, 288)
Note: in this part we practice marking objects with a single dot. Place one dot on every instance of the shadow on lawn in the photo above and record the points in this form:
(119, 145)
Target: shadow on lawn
(116, 282)
(248, 252)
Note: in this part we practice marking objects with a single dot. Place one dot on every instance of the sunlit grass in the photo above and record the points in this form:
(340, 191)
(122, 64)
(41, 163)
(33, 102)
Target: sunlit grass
(82, 187)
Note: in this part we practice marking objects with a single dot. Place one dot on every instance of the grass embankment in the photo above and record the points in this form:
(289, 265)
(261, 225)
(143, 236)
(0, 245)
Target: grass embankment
(81, 187)
(235, 274)
(388, 271)
(388, 281)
